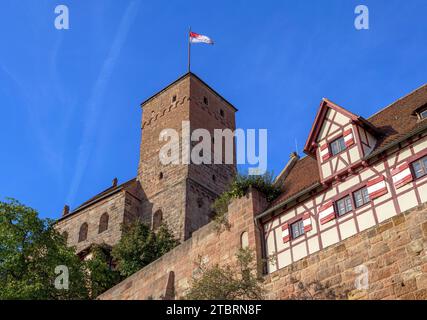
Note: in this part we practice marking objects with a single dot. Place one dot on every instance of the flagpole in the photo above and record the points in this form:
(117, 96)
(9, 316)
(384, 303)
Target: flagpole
(189, 49)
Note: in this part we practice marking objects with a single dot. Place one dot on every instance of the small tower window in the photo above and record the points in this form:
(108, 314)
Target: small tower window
(160, 175)
(205, 101)
(83, 232)
(103, 222)
(174, 98)
(221, 112)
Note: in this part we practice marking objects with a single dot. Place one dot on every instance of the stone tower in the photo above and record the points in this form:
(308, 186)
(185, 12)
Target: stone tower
(181, 194)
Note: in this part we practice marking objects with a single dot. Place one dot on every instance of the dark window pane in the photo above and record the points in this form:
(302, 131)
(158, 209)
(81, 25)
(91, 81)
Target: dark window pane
(361, 197)
(297, 229)
(344, 205)
(423, 114)
(420, 167)
(337, 146)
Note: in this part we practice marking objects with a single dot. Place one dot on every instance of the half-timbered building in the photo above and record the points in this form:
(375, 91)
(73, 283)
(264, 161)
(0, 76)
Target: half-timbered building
(357, 173)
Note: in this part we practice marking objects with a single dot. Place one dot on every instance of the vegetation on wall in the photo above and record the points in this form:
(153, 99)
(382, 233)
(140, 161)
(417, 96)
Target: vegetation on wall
(231, 282)
(237, 189)
(139, 246)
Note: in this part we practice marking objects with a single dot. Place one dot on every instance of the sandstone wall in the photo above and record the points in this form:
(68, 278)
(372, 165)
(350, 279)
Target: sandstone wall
(394, 254)
(170, 276)
(121, 207)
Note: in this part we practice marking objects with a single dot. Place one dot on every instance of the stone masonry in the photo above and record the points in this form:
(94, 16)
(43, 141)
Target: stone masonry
(394, 253)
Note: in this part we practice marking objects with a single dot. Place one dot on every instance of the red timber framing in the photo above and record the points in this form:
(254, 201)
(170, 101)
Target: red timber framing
(387, 199)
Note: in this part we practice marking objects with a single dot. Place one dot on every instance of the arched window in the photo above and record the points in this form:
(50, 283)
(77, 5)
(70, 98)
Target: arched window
(157, 219)
(83, 232)
(244, 240)
(103, 222)
(65, 236)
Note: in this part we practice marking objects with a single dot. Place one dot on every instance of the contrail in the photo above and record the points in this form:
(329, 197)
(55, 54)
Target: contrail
(96, 98)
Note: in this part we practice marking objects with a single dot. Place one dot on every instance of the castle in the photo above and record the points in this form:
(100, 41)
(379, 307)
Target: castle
(356, 201)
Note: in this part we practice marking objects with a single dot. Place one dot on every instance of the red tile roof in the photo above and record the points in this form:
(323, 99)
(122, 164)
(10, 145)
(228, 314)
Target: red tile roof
(394, 122)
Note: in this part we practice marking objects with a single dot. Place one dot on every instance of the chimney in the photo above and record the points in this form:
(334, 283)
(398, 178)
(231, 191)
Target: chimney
(66, 210)
(293, 158)
(115, 182)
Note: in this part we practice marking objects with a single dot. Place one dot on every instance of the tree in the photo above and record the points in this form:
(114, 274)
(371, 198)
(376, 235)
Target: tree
(30, 250)
(229, 282)
(139, 246)
(101, 275)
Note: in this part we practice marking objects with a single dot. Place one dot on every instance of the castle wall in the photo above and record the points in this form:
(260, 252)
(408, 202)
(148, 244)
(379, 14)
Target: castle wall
(206, 244)
(116, 206)
(392, 256)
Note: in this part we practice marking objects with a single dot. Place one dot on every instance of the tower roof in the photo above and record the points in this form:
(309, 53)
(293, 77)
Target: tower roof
(184, 76)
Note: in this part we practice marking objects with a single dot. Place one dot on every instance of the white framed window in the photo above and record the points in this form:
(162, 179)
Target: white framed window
(361, 197)
(337, 146)
(419, 167)
(297, 229)
(344, 205)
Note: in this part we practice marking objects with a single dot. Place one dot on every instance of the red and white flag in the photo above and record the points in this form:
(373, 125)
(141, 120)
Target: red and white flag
(199, 38)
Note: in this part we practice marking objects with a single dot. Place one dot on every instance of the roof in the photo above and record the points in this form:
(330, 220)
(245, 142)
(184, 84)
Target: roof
(303, 175)
(188, 74)
(107, 192)
(394, 122)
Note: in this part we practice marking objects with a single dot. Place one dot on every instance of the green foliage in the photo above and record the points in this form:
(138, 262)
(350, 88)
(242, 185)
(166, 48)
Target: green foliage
(101, 276)
(140, 246)
(30, 250)
(228, 283)
(237, 189)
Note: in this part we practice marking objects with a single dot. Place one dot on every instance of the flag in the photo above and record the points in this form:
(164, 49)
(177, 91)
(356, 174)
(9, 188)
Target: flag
(199, 38)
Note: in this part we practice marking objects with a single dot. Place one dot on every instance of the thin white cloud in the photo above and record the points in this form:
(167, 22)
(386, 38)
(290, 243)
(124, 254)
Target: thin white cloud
(95, 100)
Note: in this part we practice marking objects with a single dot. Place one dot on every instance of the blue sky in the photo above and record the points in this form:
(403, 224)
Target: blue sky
(69, 99)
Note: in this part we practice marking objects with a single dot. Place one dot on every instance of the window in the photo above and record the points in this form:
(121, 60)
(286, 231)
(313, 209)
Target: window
(361, 197)
(205, 101)
(65, 236)
(83, 232)
(420, 167)
(174, 98)
(221, 112)
(337, 146)
(244, 240)
(423, 114)
(103, 222)
(344, 206)
(157, 219)
(297, 229)
(160, 175)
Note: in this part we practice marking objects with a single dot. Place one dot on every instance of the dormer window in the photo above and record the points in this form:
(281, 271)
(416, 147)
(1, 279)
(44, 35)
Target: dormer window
(337, 146)
(423, 114)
